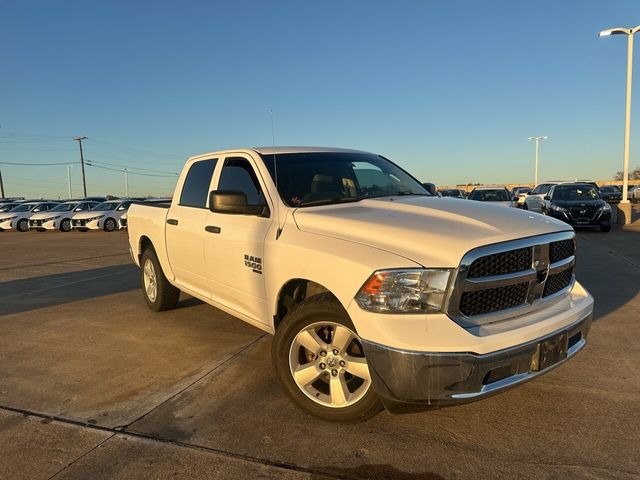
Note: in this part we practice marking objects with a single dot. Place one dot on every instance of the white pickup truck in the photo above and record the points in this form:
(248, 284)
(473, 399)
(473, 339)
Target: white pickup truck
(378, 293)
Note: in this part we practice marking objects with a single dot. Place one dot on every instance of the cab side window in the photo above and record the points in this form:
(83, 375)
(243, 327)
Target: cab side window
(238, 175)
(196, 186)
(541, 189)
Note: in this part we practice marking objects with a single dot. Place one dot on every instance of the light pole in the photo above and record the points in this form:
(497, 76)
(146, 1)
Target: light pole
(126, 183)
(537, 140)
(69, 179)
(629, 32)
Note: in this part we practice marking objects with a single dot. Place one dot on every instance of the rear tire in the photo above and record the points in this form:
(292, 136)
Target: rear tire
(332, 386)
(159, 294)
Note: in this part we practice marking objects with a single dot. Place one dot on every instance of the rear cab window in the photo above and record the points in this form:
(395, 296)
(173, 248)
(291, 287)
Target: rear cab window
(195, 189)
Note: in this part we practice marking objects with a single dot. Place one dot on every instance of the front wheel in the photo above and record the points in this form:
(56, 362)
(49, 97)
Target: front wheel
(320, 362)
(65, 225)
(22, 225)
(159, 294)
(110, 225)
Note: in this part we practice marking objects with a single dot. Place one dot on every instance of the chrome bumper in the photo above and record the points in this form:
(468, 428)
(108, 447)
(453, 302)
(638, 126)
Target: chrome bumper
(413, 381)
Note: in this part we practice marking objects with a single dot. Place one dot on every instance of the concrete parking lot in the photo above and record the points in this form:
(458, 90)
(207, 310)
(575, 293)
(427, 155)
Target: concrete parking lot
(95, 385)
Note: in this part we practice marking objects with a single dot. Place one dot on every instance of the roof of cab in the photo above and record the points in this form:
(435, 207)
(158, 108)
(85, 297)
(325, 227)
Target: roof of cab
(276, 151)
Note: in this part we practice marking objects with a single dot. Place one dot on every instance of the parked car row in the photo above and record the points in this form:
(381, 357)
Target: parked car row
(91, 213)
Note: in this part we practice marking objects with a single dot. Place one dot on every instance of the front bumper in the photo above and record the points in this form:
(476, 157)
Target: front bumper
(412, 381)
(600, 218)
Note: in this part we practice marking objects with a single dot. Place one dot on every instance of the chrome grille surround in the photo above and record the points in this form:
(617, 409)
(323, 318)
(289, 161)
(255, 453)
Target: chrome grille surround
(534, 277)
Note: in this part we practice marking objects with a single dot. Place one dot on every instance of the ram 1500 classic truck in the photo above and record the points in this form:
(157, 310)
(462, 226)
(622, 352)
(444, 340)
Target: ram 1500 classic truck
(378, 293)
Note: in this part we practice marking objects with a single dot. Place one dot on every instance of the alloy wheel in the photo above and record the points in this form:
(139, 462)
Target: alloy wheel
(327, 363)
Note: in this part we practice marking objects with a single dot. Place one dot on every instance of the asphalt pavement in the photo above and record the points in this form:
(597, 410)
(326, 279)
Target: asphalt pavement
(95, 385)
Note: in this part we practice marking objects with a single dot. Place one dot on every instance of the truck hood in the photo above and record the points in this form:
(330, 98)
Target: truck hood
(432, 231)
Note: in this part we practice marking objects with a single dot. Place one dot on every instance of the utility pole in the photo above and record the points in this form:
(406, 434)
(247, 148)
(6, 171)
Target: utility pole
(84, 180)
(1, 185)
(126, 183)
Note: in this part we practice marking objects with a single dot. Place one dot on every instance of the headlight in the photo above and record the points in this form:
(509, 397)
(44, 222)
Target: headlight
(404, 291)
(6, 219)
(51, 218)
(604, 208)
(557, 208)
(93, 218)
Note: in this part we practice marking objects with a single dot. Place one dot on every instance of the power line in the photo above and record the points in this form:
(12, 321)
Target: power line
(100, 162)
(37, 164)
(92, 164)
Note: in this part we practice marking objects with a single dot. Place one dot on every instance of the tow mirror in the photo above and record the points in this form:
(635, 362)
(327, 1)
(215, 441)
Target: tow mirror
(234, 203)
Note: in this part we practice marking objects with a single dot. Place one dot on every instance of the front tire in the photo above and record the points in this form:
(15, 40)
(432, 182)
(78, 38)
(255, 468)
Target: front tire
(65, 225)
(320, 362)
(159, 294)
(109, 225)
(22, 225)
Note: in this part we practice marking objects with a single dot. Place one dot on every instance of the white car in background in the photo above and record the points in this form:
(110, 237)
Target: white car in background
(59, 217)
(634, 194)
(5, 207)
(104, 216)
(535, 200)
(18, 217)
(494, 195)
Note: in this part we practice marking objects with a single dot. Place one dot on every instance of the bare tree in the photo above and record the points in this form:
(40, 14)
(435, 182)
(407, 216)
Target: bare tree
(633, 175)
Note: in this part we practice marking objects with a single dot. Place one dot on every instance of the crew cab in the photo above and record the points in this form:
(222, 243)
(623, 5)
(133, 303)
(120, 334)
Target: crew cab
(376, 291)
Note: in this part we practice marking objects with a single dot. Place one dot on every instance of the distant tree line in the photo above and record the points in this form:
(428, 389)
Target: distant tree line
(633, 175)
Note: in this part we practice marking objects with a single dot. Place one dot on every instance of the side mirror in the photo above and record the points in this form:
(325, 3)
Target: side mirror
(234, 203)
(547, 197)
(515, 199)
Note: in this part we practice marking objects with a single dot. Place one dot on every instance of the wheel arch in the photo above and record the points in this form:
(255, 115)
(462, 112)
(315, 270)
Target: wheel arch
(293, 292)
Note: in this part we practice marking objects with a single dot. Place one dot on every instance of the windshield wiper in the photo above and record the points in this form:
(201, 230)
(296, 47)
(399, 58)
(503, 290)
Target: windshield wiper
(316, 203)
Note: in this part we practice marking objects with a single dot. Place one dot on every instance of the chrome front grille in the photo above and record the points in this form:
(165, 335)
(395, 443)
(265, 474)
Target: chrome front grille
(503, 280)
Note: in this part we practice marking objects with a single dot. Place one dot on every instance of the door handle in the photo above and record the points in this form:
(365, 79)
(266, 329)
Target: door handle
(172, 221)
(212, 229)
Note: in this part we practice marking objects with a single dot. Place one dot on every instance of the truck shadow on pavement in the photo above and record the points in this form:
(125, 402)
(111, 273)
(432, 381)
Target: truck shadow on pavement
(608, 266)
(49, 290)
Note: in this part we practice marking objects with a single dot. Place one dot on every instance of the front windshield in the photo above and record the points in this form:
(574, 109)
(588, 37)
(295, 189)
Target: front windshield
(25, 207)
(7, 207)
(103, 207)
(490, 195)
(573, 192)
(64, 207)
(609, 189)
(321, 178)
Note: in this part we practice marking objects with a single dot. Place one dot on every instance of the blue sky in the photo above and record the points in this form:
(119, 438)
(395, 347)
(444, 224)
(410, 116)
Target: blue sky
(450, 90)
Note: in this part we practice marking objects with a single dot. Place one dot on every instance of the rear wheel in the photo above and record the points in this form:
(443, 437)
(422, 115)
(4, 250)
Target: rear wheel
(320, 362)
(158, 292)
(65, 225)
(22, 225)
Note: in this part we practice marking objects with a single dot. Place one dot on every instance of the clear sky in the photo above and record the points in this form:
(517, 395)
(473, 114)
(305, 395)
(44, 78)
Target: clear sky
(448, 89)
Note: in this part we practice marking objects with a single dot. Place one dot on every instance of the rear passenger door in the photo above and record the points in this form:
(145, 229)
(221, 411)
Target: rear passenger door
(234, 244)
(185, 228)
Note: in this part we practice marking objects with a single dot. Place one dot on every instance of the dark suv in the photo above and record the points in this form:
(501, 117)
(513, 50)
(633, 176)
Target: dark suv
(578, 204)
